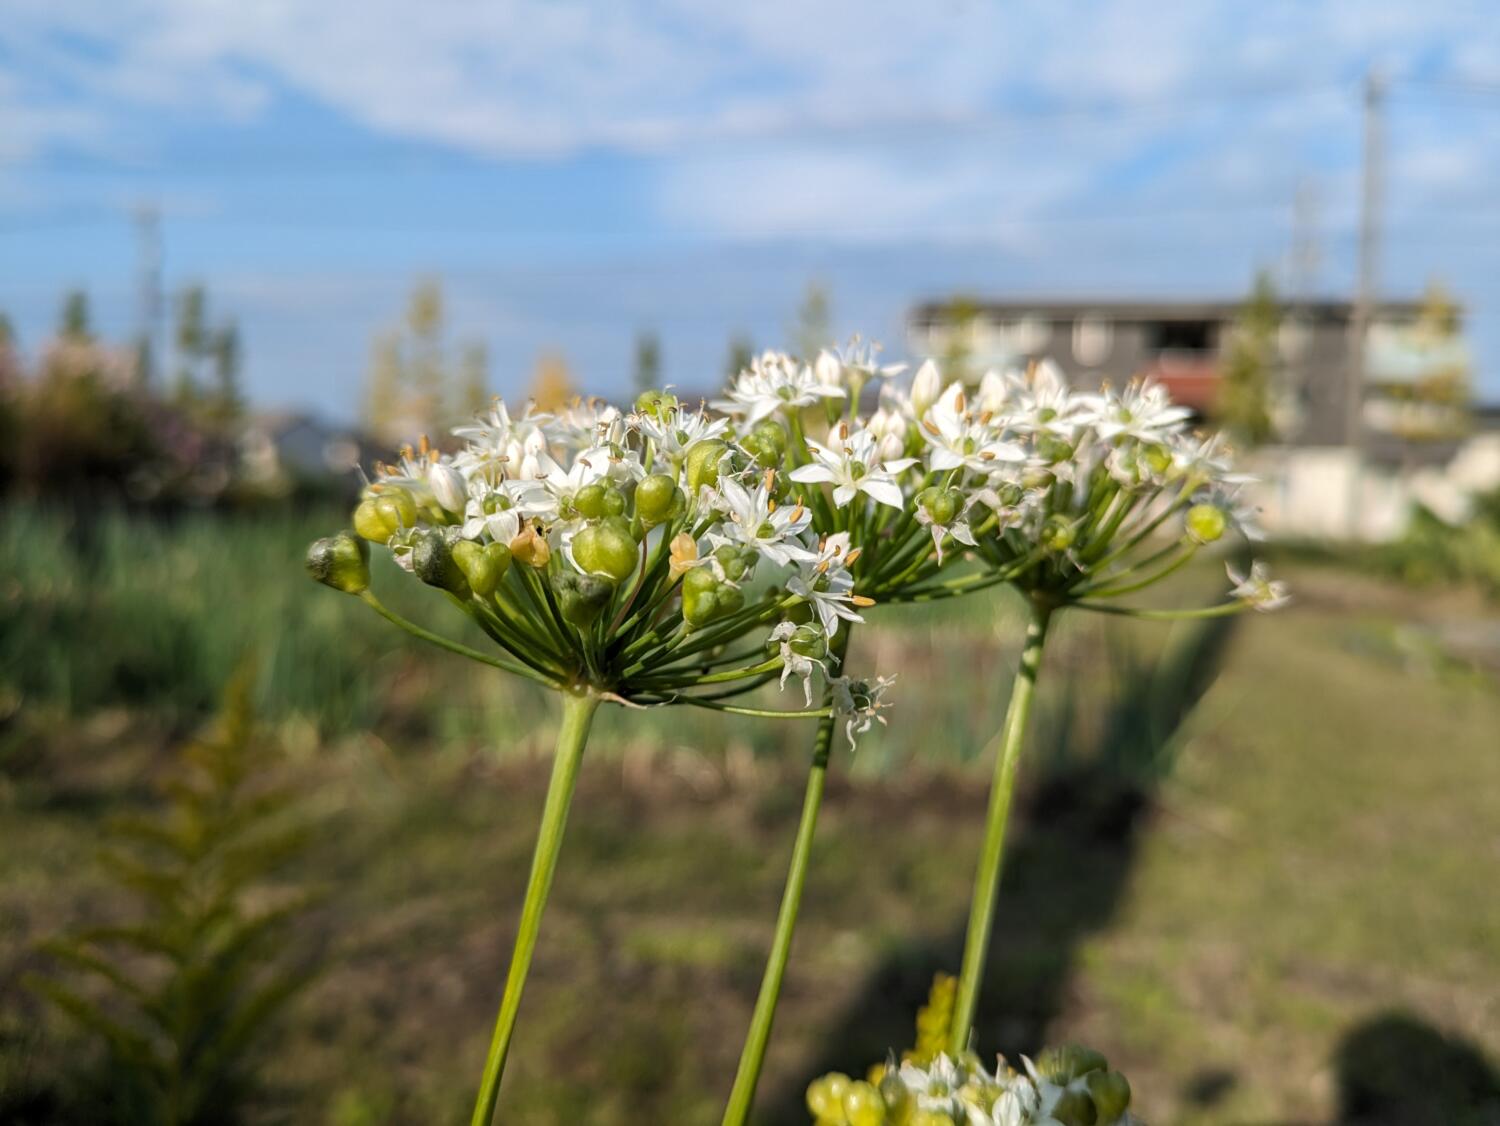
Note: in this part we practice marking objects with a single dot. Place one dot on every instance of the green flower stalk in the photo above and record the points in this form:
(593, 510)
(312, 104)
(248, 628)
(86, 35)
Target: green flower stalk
(645, 560)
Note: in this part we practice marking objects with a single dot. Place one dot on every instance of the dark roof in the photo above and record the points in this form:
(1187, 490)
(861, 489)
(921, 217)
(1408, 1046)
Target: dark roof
(931, 312)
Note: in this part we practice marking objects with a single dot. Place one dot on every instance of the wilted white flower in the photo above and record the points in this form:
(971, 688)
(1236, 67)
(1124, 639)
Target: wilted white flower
(796, 646)
(857, 703)
(1258, 589)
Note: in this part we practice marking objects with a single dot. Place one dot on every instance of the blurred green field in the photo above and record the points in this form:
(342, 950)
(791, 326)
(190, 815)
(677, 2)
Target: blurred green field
(1254, 864)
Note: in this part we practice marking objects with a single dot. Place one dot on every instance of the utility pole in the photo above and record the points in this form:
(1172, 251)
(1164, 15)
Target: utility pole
(148, 290)
(1371, 191)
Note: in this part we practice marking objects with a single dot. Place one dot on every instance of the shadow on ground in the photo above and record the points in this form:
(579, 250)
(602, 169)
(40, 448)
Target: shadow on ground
(1073, 844)
(1396, 1070)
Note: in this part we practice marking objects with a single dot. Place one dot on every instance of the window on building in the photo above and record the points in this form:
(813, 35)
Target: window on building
(1181, 336)
(1092, 339)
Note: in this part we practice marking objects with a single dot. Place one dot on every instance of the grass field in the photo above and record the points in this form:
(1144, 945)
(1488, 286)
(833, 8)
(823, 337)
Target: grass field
(1264, 894)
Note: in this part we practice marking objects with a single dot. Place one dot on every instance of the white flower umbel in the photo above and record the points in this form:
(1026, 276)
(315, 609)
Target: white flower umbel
(850, 464)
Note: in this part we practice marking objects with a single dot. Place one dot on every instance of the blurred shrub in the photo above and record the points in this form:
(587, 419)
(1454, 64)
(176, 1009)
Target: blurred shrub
(184, 997)
(1433, 550)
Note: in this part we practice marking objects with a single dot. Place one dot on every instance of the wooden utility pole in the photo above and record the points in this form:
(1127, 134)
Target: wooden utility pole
(1371, 192)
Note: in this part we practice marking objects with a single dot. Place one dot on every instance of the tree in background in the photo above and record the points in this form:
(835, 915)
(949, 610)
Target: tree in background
(552, 385)
(411, 388)
(208, 362)
(647, 373)
(741, 352)
(813, 330)
(1247, 386)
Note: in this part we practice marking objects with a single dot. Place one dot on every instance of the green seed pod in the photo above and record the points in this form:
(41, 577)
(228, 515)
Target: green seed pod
(700, 596)
(863, 1105)
(432, 562)
(658, 499)
(396, 510)
(606, 548)
(766, 443)
(825, 1097)
(1053, 449)
(1075, 1108)
(1204, 523)
(1157, 458)
(941, 505)
(369, 523)
(655, 403)
(809, 641)
(588, 501)
(1063, 1064)
(582, 598)
(484, 565)
(931, 1118)
(703, 460)
(1111, 1094)
(341, 561)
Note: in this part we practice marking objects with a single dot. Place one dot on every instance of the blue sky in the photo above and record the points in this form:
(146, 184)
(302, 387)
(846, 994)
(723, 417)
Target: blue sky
(575, 171)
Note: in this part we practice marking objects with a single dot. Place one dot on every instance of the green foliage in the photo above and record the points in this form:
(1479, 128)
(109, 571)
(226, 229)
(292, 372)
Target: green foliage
(741, 352)
(1433, 550)
(1250, 368)
(413, 385)
(647, 361)
(184, 995)
(813, 330)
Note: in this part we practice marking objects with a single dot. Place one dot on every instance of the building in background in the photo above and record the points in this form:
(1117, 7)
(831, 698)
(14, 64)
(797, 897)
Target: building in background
(1415, 440)
(1181, 344)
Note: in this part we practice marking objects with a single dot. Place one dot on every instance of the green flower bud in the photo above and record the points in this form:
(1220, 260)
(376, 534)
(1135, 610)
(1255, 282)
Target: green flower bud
(341, 561)
(483, 565)
(658, 499)
(942, 505)
(1058, 534)
(655, 403)
(1053, 449)
(606, 548)
(736, 562)
(898, 1099)
(703, 460)
(1205, 523)
(1070, 1061)
(1157, 458)
(396, 510)
(369, 523)
(863, 1105)
(825, 1097)
(582, 598)
(766, 443)
(931, 1118)
(1111, 1094)
(703, 597)
(432, 562)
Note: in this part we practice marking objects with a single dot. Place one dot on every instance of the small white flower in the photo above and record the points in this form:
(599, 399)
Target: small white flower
(676, 429)
(959, 438)
(825, 582)
(1144, 411)
(850, 466)
(448, 485)
(757, 521)
(857, 703)
(490, 510)
(1258, 589)
(1040, 403)
(773, 382)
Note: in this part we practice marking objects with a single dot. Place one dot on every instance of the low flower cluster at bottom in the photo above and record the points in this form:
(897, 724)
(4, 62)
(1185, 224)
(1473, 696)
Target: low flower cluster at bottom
(1066, 1086)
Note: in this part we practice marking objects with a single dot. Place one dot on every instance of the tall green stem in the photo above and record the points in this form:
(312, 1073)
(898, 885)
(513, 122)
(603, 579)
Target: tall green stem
(987, 879)
(577, 714)
(753, 1055)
